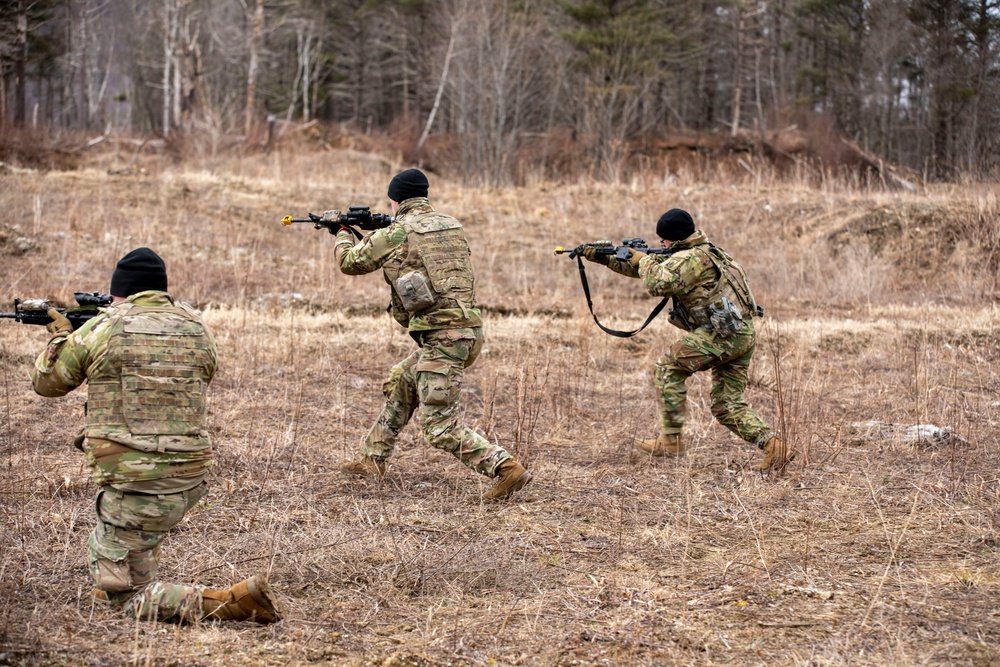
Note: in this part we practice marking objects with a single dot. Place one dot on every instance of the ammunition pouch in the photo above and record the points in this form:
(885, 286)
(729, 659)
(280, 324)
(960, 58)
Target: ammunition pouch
(724, 318)
(415, 292)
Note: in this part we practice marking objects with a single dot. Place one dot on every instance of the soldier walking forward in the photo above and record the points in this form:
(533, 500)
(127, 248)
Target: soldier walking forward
(712, 302)
(148, 360)
(425, 259)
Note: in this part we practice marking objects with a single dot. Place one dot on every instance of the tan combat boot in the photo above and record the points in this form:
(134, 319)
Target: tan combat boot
(249, 600)
(664, 446)
(511, 477)
(777, 455)
(365, 466)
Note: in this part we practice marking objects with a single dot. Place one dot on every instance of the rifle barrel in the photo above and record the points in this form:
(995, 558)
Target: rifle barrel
(287, 220)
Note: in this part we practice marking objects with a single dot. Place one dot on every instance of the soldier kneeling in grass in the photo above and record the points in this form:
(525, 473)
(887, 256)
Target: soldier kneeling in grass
(712, 302)
(148, 360)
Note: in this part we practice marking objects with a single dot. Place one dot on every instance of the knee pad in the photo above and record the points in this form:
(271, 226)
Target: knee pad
(108, 563)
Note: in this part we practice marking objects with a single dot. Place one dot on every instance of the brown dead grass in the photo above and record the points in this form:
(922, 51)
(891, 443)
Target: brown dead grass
(871, 551)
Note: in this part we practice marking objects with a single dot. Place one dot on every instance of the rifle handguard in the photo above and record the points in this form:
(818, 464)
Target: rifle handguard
(573, 254)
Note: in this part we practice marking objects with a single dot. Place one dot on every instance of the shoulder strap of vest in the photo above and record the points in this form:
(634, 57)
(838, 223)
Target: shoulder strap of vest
(417, 223)
(733, 273)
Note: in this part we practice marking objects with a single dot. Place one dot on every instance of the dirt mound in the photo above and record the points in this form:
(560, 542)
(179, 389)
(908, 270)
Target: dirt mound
(916, 237)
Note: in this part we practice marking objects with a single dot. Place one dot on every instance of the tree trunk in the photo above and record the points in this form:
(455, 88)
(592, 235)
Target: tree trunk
(20, 62)
(737, 74)
(306, 56)
(256, 33)
(441, 85)
(169, 50)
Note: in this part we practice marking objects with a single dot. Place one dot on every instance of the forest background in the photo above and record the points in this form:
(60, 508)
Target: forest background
(507, 92)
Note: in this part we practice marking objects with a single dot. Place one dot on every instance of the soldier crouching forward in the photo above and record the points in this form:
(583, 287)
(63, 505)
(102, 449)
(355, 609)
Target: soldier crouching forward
(713, 303)
(148, 360)
(424, 257)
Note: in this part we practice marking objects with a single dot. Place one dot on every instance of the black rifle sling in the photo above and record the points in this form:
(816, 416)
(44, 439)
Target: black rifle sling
(590, 305)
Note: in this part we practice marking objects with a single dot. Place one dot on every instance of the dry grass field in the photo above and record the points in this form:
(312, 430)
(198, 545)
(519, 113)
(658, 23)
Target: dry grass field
(879, 546)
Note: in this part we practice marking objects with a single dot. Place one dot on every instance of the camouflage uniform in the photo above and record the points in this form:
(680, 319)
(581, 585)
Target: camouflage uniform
(147, 361)
(426, 249)
(695, 275)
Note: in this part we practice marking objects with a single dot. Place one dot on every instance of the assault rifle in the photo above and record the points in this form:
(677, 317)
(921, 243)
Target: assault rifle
(621, 253)
(356, 217)
(33, 311)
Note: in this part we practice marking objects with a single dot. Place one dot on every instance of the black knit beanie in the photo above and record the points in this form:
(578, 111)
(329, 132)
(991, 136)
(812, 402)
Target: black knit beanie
(674, 225)
(140, 270)
(407, 185)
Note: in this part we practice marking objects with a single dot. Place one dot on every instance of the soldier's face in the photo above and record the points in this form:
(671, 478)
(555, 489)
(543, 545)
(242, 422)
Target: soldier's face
(665, 242)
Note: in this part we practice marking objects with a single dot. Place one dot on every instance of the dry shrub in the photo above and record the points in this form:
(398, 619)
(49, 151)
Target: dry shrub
(38, 148)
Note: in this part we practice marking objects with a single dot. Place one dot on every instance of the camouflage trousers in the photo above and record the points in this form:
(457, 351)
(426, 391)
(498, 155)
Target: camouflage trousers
(431, 377)
(124, 548)
(729, 360)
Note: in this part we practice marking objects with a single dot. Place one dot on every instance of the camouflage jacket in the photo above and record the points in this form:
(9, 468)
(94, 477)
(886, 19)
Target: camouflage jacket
(391, 249)
(693, 274)
(148, 362)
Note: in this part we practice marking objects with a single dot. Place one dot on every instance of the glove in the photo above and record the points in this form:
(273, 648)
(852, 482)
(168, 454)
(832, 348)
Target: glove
(331, 216)
(59, 324)
(635, 257)
(590, 252)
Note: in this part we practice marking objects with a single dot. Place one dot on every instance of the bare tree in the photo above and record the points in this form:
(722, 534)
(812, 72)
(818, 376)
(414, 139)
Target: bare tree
(498, 91)
(253, 63)
(20, 61)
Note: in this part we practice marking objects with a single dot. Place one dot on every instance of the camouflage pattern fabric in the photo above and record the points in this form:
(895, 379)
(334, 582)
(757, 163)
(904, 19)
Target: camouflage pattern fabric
(729, 361)
(690, 275)
(431, 377)
(123, 551)
(388, 249)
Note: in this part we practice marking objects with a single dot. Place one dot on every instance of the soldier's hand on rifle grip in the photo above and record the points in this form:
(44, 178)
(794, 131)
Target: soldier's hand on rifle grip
(331, 216)
(59, 324)
(635, 257)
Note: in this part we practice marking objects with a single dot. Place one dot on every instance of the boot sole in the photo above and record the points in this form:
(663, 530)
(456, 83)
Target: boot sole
(777, 466)
(365, 473)
(639, 453)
